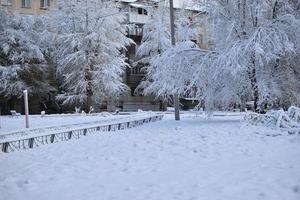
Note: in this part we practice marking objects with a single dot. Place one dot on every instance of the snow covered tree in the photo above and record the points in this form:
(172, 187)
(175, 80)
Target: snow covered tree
(173, 71)
(156, 34)
(156, 39)
(90, 38)
(253, 57)
(157, 42)
(22, 63)
(254, 51)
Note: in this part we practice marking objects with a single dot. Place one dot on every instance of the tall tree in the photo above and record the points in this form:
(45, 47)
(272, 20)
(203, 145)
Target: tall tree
(22, 63)
(90, 37)
(256, 44)
(157, 41)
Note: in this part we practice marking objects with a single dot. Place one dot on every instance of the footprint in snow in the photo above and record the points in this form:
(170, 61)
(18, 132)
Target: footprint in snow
(296, 189)
(178, 128)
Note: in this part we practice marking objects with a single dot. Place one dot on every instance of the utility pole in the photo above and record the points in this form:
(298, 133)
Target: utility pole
(26, 108)
(176, 96)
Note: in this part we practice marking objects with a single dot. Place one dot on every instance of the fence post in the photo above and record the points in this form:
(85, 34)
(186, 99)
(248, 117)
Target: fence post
(70, 135)
(5, 147)
(30, 143)
(52, 138)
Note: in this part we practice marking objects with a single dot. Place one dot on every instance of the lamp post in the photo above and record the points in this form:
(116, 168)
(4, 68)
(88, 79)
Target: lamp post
(176, 96)
(26, 108)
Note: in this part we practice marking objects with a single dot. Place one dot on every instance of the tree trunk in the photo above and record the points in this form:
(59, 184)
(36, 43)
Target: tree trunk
(242, 15)
(275, 10)
(172, 24)
(89, 88)
(88, 103)
(253, 81)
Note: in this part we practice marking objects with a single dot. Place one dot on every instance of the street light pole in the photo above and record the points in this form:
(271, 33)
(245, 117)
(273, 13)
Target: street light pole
(176, 96)
(26, 108)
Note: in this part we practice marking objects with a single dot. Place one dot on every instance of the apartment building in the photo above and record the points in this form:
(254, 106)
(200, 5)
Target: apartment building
(28, 6)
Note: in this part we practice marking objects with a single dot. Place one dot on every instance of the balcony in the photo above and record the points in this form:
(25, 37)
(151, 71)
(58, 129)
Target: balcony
(138, 18)
(135, 30)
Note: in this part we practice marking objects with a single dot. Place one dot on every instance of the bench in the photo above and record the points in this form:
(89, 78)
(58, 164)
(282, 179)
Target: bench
(14, 113)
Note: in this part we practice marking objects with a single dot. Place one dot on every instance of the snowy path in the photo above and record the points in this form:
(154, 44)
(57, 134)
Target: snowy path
(187, 160)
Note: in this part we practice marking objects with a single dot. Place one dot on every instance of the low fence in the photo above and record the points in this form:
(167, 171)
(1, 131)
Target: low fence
(34, 141)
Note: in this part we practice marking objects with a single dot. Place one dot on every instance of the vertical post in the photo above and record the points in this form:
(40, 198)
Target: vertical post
(26, 108)
(176, 96)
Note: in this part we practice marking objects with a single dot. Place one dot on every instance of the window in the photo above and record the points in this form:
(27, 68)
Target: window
(140, 11)
(132, 9)
(26, 3)
(44, 4)
(6, 3)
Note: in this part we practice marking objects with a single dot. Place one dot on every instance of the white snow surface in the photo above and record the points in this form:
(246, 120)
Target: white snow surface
(195, 158)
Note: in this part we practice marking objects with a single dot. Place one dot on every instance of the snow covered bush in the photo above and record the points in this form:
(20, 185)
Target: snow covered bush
(278, 119)
(105, 114)
(91, 36)
(294, 113)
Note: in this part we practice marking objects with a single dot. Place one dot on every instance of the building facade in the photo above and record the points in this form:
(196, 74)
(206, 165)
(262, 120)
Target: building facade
(28, 6)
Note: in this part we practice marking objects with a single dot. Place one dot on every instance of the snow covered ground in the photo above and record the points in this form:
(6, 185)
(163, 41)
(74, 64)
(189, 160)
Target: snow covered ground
(215, 159)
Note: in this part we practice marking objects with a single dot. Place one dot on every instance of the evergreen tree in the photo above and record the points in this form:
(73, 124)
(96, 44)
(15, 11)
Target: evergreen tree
(90, 38)
(22, 63)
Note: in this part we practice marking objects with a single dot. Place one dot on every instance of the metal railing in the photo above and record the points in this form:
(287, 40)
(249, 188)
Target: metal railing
(33, 141)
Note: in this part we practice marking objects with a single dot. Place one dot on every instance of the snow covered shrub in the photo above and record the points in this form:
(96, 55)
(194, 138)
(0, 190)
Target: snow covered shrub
(294, 113)
(105, 114)
(278, 119)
